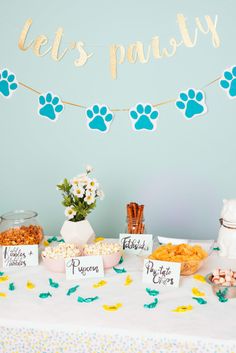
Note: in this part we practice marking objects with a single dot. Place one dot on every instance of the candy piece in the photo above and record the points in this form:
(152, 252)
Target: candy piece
(11, 286)
(1, 274)
(151, 305)
(197, 292)
(183, 308)
(99, 284)
(226, 284)
(112, 307)
(221, 280)
(50, 240)
(128, 280)
(45, 295)
(4, 279)
(119, 270)
(121, 260)
(72, 290)
(87, 300)
(96, 240)
(152, 292)
(200, 300)
(3, 295)
(53, 284)
(199, 277)
(30, 285)
(45, 243)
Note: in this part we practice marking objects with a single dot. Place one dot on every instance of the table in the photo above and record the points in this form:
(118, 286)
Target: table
(60, 324)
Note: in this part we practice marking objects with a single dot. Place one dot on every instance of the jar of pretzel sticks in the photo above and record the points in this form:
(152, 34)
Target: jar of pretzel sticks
(135, 219)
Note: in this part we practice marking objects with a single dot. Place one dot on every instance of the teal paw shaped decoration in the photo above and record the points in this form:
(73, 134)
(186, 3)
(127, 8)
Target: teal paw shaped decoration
(50, 106)
(228, 82)
(8, 83)
(143, 117)
(191, 103)
(99, 117)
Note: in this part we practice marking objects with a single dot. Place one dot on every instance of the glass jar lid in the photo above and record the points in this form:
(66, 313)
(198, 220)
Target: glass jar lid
(19, 215)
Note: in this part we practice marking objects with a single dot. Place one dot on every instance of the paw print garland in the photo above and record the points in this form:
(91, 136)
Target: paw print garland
(191, 103)
(143, 117)
(99, 118)
(8, 83)
(50, 106)
(228, 82)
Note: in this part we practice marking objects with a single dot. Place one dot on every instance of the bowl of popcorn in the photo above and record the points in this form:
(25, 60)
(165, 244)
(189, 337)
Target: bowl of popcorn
(54, 257)
(223, 283)
(110, 252)
(191, 257)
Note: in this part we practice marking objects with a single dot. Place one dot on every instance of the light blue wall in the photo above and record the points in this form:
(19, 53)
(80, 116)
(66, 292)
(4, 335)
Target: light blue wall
(181, 172)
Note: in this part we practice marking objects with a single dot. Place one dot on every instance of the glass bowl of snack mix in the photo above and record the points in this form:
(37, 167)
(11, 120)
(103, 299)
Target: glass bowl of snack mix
(20, 228)
(191, 254)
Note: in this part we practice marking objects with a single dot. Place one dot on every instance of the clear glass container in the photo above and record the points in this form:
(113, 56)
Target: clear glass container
(20, 228)
(134, 227)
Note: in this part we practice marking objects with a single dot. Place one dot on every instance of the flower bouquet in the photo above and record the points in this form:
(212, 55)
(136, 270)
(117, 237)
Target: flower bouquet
(79, 197)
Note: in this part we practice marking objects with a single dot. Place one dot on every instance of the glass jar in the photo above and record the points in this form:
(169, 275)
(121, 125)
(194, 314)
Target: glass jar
(20, 228)
(134, 227)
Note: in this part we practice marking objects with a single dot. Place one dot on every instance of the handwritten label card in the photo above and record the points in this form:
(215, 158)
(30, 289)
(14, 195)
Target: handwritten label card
(138, 244)
(161, 273)
(20, 256)
(84, 267)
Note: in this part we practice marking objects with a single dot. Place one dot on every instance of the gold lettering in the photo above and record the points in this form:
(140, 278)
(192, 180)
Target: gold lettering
(83, 55)
(56, 46)
(23, 35)
(113, 58)
(211, 27)
(174, 45)
(135, 51)
(39, 42)
(185, 33)
(156, 47)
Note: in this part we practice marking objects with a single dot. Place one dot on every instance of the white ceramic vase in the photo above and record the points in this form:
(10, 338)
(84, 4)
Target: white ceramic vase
(77, 232)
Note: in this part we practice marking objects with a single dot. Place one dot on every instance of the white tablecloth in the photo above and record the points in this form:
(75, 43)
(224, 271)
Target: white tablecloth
(60, 324)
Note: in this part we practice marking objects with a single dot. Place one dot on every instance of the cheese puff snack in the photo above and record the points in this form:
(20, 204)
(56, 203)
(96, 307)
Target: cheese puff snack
(189, 256)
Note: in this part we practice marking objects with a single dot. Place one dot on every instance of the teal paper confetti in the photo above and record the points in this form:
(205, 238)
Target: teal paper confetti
(152, 292)
(87, 300)
(200, 300)
(1, 274)
(221, 295)
(119, 270)
(45, 295)
(151, 305)
(216, 248)
(121, 260)
(72, 290)
(50, 240)
(11, 286)
(53, 284)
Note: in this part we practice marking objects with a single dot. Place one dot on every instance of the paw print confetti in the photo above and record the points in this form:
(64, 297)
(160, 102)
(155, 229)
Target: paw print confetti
(72, 290)
(112, 307)
(99, 284)
(196, 292)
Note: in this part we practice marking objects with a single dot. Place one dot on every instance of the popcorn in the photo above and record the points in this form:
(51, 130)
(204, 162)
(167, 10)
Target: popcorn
(102, 248)
(63, 250)
(224, 278)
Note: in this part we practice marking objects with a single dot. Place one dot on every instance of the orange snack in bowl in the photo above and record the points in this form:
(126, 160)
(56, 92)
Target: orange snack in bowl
(189, 256)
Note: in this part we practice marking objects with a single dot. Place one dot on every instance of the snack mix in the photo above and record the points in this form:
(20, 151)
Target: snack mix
(24, 235)
(101, 248)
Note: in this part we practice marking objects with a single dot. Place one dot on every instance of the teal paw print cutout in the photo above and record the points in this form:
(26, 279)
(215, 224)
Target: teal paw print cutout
(50, 106)
(192, 103)
(143, 117)
(99, 117)
(228, 82)
(8, 83)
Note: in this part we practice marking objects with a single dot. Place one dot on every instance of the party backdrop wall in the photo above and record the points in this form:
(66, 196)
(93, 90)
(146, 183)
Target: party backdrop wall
(181, 171)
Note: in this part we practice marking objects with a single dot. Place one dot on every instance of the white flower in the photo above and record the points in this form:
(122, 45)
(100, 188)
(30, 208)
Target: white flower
(89, 168)
(83, 179)
(92, 184)
(100, 194)
(89, 198)
(79, 191)
(75, 181)
(70, 212)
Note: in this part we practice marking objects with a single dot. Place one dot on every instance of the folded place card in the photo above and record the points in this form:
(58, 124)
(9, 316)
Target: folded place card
(20, 255)
(138, 244)
(161, 273)
(84, 267)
